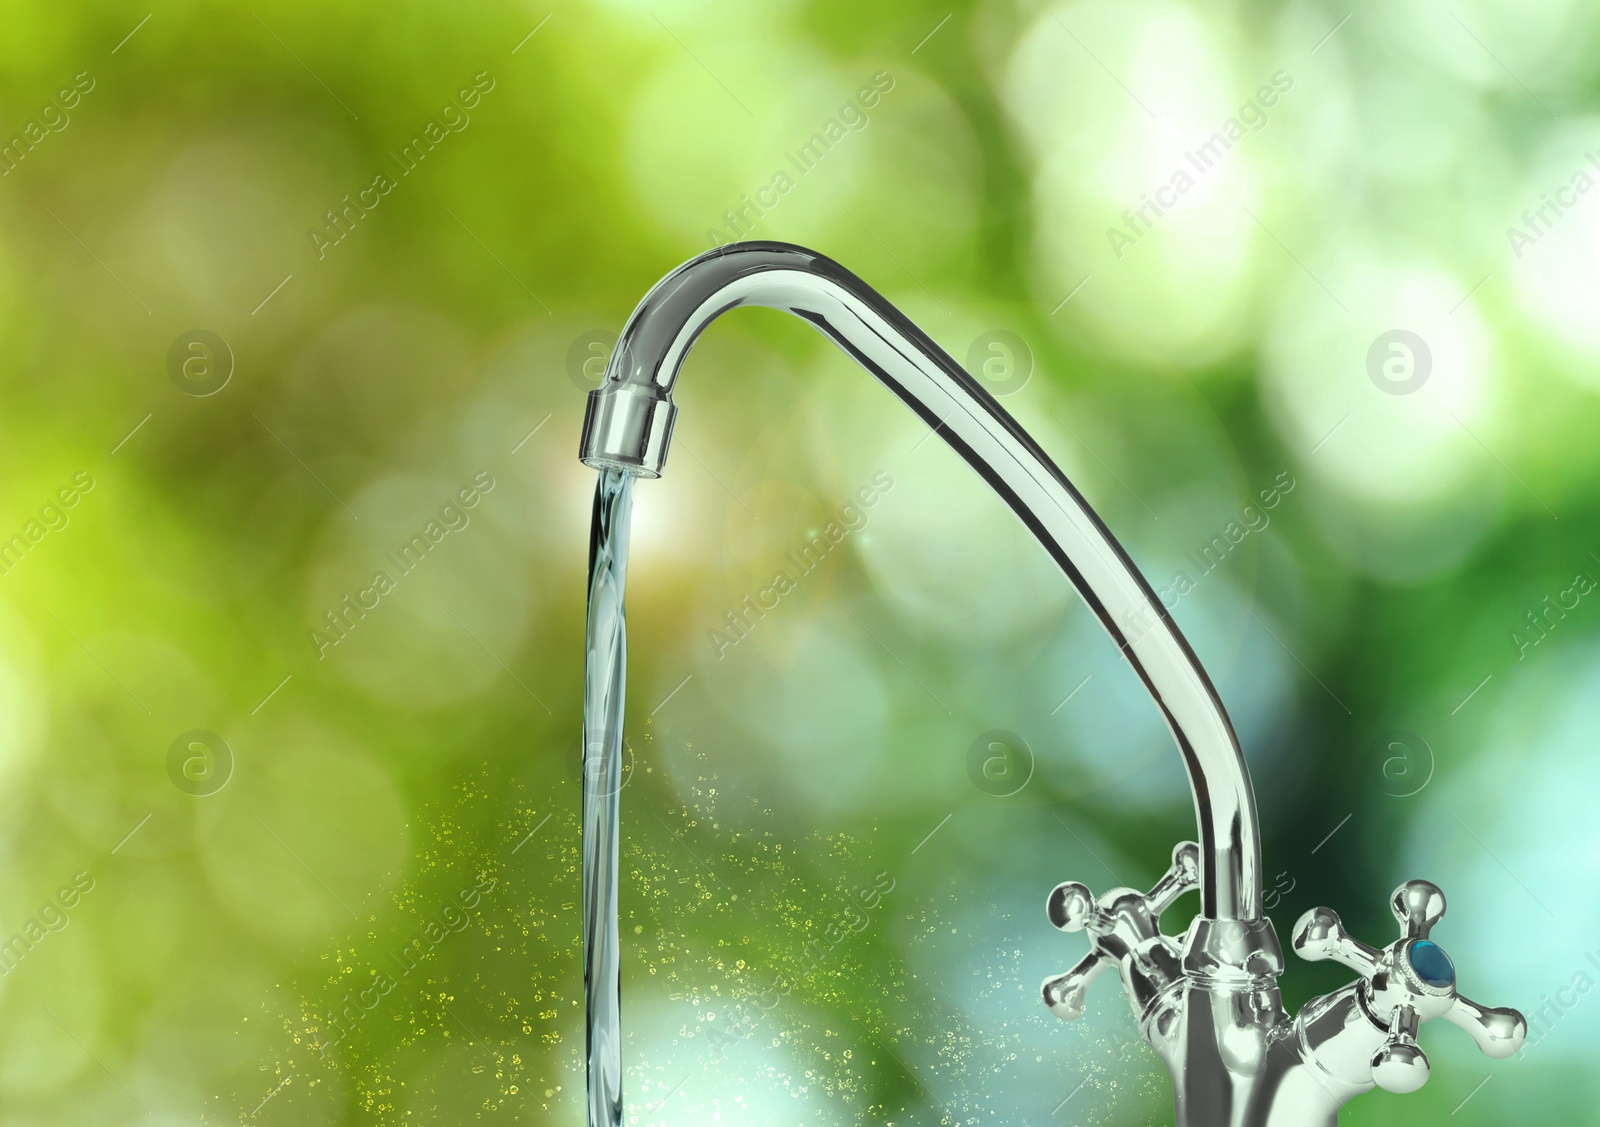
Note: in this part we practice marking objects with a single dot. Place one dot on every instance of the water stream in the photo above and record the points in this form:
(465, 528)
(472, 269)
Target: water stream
(604, 690)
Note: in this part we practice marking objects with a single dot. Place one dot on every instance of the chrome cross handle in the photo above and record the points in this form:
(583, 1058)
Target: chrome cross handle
(1406, 983)
(1123, 931)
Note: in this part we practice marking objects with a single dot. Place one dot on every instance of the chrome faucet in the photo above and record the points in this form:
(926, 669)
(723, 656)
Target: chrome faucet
(1207, 1002)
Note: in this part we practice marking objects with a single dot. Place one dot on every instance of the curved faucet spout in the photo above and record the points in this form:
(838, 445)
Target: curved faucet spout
(1209, 1003)
(628, 427)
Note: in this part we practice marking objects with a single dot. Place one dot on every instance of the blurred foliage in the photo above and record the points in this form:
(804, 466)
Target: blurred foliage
(365, 909)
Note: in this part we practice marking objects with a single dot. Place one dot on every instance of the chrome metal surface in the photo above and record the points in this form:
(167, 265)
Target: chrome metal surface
(1207, 1002)
(1406, 983)
(628, 427)
(1123, 933)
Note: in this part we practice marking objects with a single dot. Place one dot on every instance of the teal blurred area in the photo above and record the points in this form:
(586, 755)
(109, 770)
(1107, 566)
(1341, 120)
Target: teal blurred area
(299, 305)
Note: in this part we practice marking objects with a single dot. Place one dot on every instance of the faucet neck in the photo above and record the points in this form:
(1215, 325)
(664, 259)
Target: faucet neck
(628, 427)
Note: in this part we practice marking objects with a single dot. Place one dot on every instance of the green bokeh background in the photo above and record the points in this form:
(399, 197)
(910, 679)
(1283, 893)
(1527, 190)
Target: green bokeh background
(398, 822)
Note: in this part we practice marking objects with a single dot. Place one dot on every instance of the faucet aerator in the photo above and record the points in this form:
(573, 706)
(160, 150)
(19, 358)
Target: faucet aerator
(627, 429)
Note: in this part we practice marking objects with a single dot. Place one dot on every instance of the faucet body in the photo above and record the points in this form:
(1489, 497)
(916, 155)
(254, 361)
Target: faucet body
(1207, 1001)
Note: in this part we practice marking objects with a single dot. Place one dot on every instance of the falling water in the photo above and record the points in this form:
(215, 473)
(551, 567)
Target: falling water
(604, 685)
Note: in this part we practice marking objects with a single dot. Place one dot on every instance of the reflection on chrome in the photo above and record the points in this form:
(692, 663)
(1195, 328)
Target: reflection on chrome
(1207, 1001)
